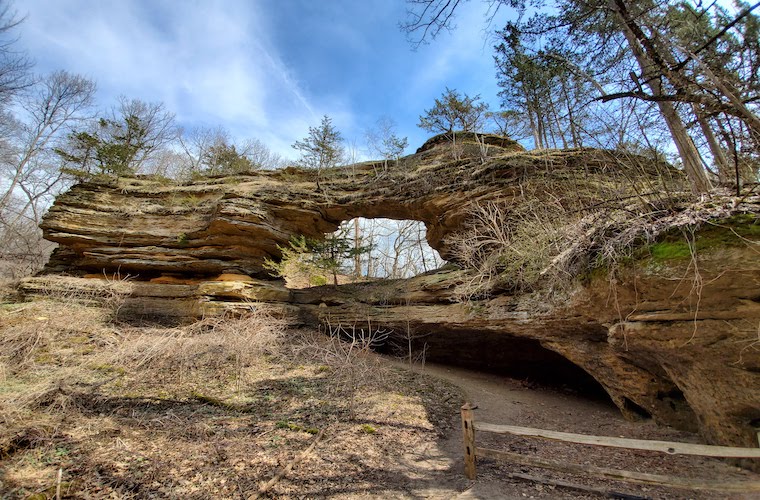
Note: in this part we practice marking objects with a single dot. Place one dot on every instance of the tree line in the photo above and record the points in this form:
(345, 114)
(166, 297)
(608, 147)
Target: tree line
(638, 76)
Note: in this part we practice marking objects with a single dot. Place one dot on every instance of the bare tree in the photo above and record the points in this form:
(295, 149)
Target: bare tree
(15, 66)
(51, 107)
(30, 170)
(196, 143)
(427, 18)
(383, 141)
(260, 155)
(212, 151)
(142, 126)
(397, 248)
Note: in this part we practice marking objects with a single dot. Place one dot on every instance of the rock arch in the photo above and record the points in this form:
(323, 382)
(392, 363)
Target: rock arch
(181, 243)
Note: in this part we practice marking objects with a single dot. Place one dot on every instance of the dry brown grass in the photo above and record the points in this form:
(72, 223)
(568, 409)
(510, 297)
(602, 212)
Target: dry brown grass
(45, 347)
(345, 353)
(551, 243)
(210, 409)
(511, 249)
(218, 344)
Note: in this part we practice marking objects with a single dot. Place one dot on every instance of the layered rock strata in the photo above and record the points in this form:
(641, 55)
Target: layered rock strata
(147, 226)
(670, 334)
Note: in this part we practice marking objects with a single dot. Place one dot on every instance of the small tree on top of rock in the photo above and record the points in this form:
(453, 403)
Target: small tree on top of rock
(322, 148)
(382, 140)
(224, 158)
(454, 113)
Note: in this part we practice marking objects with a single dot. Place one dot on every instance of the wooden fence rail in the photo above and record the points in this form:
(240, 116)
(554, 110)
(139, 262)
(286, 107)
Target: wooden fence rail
(471, 451)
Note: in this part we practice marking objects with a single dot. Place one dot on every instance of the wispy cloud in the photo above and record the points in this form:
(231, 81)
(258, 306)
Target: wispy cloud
(210, 63)
(262, 69)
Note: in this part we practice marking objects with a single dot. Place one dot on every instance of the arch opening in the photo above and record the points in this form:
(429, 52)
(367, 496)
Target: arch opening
(397, 248)
(361, 249)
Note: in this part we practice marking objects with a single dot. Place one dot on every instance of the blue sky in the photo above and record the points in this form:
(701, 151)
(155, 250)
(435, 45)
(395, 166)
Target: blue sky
(264, 69)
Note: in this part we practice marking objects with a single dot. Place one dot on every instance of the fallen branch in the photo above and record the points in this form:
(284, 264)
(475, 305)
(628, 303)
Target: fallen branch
(286, 470)
(572, 486)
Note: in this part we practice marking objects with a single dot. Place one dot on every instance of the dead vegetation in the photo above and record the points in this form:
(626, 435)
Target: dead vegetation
(553, 242)
(217, 408)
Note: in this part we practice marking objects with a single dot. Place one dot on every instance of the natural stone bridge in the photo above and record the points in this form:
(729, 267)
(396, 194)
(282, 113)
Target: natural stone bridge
(661, 340)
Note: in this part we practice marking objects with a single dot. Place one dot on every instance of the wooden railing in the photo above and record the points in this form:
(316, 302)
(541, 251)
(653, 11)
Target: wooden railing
(471, 451)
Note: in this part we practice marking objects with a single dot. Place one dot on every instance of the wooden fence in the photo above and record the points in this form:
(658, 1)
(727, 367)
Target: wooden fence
(471, 451)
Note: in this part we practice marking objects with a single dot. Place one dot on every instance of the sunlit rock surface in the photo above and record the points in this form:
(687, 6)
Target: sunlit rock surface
(670, 335)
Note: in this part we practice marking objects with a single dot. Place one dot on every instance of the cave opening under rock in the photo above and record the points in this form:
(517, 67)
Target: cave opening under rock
(518, 358)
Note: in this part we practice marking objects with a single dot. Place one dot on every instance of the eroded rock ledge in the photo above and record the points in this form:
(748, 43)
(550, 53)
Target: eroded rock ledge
(669, 335)
(663, 338)
(149, 227)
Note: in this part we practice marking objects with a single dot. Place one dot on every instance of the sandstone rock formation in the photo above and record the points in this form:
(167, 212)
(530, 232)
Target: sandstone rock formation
(667, 333)
(231, 224)
(663, 339)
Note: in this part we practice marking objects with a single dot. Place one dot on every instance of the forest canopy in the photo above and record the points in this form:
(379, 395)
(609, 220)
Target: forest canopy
(627, 75)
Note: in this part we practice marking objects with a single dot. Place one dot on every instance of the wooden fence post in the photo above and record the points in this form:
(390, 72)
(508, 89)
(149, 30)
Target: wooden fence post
(468, 431)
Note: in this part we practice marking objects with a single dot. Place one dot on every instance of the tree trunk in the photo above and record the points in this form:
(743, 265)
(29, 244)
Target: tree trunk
(687, 151)
(532, 120)
(574, 135)
(717, 152)
(357, 246)
(742, 112)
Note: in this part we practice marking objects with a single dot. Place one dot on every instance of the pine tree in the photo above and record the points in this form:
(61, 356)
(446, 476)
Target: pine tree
(322, 148)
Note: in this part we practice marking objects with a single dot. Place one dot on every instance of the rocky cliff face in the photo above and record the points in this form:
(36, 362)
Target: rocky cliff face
(667, 337)
(146, 227)
(671, 331)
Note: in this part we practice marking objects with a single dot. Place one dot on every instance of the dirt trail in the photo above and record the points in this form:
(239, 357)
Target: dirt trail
(503, 400)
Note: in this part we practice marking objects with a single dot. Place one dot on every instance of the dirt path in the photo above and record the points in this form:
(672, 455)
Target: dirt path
(504, 400)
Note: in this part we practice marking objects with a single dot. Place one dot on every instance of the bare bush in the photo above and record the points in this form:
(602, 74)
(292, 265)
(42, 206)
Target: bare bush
(110, 292)
(219, 343)
(511, 248)
(548, 246)
(346, 352)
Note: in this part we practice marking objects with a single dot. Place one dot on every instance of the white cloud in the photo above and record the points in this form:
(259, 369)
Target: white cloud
(255, 69)
(209, 62)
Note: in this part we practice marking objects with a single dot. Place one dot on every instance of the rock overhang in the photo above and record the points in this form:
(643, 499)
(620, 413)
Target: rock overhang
(634, 334)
